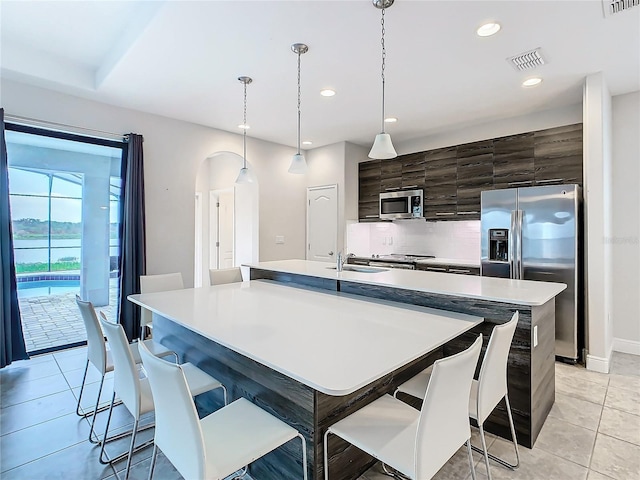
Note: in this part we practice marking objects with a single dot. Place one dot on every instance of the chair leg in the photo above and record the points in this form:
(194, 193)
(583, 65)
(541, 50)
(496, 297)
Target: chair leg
(95, 413)
(131, 447)
(514, 439)
(326, 455)
(304, 456)
(470, 452)
(106, 430)
(84, 378)
(485, 451)
(224, 390)
(153, 461)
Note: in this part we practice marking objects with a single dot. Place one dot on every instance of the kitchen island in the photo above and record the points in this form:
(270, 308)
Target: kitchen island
(308, 356)
(531, 368)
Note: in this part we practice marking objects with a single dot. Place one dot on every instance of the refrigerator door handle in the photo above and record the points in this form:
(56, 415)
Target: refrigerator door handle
(512, 246)
(519, 267)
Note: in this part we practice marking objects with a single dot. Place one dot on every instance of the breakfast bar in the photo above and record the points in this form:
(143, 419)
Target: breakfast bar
(531, 366)
(309, 356)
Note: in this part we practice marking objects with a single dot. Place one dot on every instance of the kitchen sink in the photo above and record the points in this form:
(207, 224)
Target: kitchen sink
(360, 269)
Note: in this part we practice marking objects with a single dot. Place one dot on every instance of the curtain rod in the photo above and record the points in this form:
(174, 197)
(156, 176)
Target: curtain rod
(34, 122)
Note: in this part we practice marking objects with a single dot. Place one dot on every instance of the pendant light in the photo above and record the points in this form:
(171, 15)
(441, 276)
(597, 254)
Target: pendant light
(382, 146)
(245, 175)
(298, 163)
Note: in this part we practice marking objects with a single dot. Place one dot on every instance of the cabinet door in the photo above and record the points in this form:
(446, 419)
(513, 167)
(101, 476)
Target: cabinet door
(513, 161)
(558, 155)
(413, 167)
(390, 175)
(475, 174)
(369, 190)
(440, 190)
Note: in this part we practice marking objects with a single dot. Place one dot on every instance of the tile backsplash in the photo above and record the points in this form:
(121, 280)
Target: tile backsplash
(455, 240)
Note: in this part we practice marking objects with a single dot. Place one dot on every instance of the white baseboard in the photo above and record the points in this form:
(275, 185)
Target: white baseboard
(598, 364)
(626, 346)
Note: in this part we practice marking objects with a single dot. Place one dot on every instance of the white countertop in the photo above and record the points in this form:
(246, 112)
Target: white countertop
(332, 342)
(455, 262)
(521, 292)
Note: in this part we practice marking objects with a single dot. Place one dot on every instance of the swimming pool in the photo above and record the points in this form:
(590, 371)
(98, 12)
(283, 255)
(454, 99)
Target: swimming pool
(43, 288)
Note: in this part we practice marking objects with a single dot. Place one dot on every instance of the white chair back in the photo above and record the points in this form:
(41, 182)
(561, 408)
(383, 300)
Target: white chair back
(178, 432)
(158, 283)
(492, 381)
(225, 275)
(96, 349)
(444, 418)
(126, 381)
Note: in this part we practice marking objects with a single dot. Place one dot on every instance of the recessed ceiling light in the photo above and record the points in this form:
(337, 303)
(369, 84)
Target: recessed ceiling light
(532, 82)
(327, 92)
(307, 142)
(244, 127)
(488, 29)
(390, 120)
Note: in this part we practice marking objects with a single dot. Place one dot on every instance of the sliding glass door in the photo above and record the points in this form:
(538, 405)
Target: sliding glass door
(65, 208)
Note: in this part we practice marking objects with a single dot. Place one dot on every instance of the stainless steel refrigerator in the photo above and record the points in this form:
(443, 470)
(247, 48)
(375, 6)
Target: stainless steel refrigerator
(534, 233)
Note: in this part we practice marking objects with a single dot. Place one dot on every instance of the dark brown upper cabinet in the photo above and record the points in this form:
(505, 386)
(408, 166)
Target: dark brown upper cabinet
(454, 177)
(513, 161)
(558, 155)
(369, 191)
(474, 174)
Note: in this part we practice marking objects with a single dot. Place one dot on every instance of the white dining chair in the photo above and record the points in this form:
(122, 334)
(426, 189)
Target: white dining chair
(220, 276)
(487, 391)
(135, 392)
(101, 359)
(217, 445)
(152, 284)
(416, 443)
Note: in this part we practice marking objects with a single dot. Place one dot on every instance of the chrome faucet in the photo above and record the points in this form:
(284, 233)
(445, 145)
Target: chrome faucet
(342, 259)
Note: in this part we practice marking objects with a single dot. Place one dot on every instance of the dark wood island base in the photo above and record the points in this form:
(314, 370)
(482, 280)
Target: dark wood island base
(530, 372)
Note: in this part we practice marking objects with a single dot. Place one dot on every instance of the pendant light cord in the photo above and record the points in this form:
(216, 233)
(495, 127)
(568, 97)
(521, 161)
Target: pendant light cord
(244, 130)
(299, 53)
(384, 56)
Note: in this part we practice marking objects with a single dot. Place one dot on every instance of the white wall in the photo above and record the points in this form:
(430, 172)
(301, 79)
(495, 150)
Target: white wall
(458, 240)
(597, 216)
(625, 239)
(327, 167)
(219, 172)
(174, 151)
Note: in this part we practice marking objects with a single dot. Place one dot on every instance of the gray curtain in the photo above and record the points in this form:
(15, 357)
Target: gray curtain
(132, 235)
(11, 339)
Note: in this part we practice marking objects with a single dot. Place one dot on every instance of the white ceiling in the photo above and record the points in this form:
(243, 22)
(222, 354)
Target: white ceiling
(181, 59)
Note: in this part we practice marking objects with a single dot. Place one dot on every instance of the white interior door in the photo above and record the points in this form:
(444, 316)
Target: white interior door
(322, 223)
(221, 228)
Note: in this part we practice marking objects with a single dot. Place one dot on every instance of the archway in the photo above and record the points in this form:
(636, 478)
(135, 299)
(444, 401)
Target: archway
(237, 228)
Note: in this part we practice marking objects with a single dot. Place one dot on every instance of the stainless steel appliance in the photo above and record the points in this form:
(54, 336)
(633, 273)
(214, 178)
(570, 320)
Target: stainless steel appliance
(396, 260)
(398, 205)
(534, 233)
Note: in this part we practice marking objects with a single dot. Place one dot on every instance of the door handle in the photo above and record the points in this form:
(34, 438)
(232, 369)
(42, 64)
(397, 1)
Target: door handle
(331, 254)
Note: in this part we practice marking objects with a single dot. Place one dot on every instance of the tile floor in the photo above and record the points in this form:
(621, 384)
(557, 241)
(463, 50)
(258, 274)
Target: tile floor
(592, 433)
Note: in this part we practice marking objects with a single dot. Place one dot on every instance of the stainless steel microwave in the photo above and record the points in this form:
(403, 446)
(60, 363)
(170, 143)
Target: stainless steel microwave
(403, 204)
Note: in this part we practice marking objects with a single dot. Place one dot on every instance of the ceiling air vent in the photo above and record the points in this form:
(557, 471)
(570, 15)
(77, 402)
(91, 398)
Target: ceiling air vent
(528, 60)
(609, 7)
